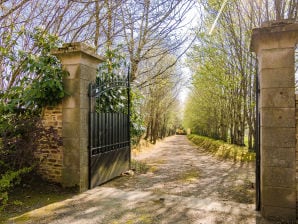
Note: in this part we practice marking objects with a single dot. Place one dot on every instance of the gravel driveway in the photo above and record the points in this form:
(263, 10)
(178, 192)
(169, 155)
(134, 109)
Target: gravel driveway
(175, 182)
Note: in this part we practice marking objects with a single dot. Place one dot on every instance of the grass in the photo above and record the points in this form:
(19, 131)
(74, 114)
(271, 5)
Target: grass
(189, 175)
(222, 149)
(139, 166)
(32, 194)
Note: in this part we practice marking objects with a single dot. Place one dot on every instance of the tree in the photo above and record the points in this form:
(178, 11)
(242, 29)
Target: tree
(153, 26)
(160, 106)
(225, 80)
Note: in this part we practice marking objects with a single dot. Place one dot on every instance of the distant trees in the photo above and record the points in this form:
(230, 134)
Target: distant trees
(160, 105)
(149, 32)
(222, 101)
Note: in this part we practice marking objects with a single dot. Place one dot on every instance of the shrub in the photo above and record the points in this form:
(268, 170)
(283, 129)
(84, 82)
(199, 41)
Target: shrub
(22, 136)
(8, 180)
(38, 75)
(222, 149)
(37, 82)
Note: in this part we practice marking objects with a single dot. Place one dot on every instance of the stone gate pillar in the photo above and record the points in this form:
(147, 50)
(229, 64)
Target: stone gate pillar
(274, 43)
(81, 62)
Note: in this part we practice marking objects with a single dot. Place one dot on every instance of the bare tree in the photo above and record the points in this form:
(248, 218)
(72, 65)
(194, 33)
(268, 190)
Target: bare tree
(153, 26)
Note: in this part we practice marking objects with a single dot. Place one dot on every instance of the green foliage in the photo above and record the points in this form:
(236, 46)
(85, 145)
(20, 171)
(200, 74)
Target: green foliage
(221, 103)
(21, 136)
(111, 71)
(139, 166)
(115, 97)
(137, 127)
(8, 180)
(38, 76)
(222, 149)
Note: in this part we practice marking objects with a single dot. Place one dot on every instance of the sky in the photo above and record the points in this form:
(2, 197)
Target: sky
(193, 16)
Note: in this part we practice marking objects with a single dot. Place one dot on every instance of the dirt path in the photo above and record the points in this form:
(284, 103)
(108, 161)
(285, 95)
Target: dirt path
(178, 183)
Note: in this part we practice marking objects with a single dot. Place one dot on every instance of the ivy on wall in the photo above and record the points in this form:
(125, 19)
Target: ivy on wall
(36, 81)
(38, 76)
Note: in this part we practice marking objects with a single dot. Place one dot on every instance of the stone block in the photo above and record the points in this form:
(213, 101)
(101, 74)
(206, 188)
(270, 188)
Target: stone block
(71, 144)
(278, 117)
(84, 181)
(84, 123)
(279, 214)
(84, 157)
(71, 158)
(277, 78)
(84, 101)
(278, 137)
(71, 130)
(278, 177)
(71, 115)
(283, 34)
(73, 71)
(278, 197)
(84, 87)
(71, 101)
(278, 97)
(278, 157)
(70, 177)
(88, 73)
(84, 142)
(277, 58)
(72, 87)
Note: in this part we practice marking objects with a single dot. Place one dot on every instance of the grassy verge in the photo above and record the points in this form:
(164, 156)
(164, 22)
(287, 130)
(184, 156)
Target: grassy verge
(222, 149)
(139, 166)
(32, 194)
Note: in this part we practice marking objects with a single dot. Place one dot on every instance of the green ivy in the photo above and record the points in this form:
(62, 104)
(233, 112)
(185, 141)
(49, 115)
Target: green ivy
(112, 69)
(137, 128)
(40, 80)
(38, 83)
(114, 100)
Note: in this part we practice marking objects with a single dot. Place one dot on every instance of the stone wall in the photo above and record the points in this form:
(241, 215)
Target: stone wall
(51, 156)
(68, 163)
(274, 44)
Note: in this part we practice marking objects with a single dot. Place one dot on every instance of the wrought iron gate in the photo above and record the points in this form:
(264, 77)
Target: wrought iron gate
(109, 135)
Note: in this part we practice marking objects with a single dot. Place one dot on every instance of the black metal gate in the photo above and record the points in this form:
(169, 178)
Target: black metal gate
(109, 135)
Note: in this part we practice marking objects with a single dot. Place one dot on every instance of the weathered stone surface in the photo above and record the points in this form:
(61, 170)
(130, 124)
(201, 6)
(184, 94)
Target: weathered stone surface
(73, 70)
(278, 117)
(278, 97)
(278, 157)
(84, 103)
(70, 177)
(71, 144)
(84, 182)
(71, 102)
(279, 197)
(275, 47)
(278, 177)
(84, 87)
(68, 164)
(281, 34)
(70, 114)
(88, 73)
(72, 87)
(72, 158)
(278, 137)
(280, 214)
(71, 129)
(277, 78)
(77, 53)
(51, 156)
(277, 58)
